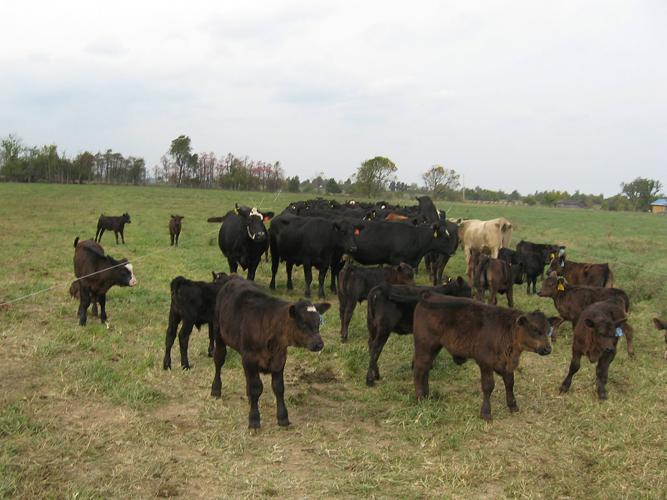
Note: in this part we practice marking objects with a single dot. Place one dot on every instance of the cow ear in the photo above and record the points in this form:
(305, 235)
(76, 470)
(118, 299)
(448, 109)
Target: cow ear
(659, 324)
(589, 323)
(322, 307)
(522, 320)
(555, 321)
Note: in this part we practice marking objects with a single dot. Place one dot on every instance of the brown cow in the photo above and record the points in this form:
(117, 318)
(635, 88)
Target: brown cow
(97, 273)
(175, 228)
(661, 325)
(578, 273)
(596, 336)
(261, 328)
(571, 300)
(355, 282)
(493, 336)
(494, 275)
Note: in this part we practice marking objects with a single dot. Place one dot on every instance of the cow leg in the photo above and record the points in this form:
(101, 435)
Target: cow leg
(254, 390)
(487, 388)
(219, 355)
(233, 266)
(275, 262)
(183, 341)
(174, 320)
(93, 301)
(103, 306)
(376, 342)
(508, 380)
(97, 233)
(122, 236)
(288, 268)
(252, 269)
(177, 236)
(308, 276)
(172, 239)
(346, 317)
(211, 340)
(421, 364)
(601, 372)
(84, 302)
(101, 233)
(574, 368)
(321, 277)
(628, 339)
(493, 296)
(510, 296)
(278, 386)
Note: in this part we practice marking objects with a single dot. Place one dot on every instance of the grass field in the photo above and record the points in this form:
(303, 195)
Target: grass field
(89, 412)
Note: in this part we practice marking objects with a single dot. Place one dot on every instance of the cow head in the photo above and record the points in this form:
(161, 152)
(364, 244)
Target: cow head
(219, 277)
(125, 218)
(254, 222)
(404, 274)
(552, 285)
(550, 252)
(123, 274)
(307, 319)
(532, 332)
(346, 233)
(176, 219)
(606, 331)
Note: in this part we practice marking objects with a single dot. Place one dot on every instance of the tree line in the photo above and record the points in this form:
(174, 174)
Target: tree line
(375, 177)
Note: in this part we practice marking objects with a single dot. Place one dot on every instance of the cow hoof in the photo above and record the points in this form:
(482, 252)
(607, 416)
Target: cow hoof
(166, 365)
(216, 392)
(370, 382)
(282, 423)
(631, 354)
(602, 395)
(186, 367)
(253, 425)
(513, 408)
(486, 417)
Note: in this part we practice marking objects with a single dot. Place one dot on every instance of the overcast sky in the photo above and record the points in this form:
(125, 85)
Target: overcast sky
(528, 94)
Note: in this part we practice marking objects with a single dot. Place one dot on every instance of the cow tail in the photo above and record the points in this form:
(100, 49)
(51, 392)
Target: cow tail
(76, 241)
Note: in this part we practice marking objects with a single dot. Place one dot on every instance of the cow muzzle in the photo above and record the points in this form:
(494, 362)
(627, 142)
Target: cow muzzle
(543, 351)
(316, 345)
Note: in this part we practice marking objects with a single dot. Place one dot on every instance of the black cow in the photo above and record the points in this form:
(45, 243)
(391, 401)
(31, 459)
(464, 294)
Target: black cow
(435, 262)
(112, 223)
(528, 265)
(391, 308)
(243, 238)
(193, 304)
(546, 251)
(311, 242)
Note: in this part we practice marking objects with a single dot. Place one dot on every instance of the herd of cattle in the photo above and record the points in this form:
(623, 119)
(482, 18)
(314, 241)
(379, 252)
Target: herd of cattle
(348, 239)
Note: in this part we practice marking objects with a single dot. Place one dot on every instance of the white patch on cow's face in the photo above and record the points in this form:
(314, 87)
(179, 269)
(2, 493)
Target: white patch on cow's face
(255, 213)
(133, 279)
(311, 309)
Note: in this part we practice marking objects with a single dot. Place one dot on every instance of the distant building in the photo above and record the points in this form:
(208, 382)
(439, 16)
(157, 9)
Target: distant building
(570, 204)
(659, 206)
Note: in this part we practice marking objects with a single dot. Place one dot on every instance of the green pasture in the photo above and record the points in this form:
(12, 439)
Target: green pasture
(89, 412)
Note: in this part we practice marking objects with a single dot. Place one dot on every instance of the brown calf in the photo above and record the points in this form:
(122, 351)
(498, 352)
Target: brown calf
(577, 273)
(596, 336)
(261, 328)
(175, 228)
(661, 325)
(494, 275)
(571, 300)
(493, 336)
(354, 283)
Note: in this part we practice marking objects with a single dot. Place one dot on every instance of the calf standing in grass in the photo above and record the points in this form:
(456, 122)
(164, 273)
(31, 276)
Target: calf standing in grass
(261, 328)
(595, 336)
(112, 223)
(97, 273)
(494, 275)
(175, 228)
(356, 281)
(493, 336)
(193, 304)
(661, 325)
(571, 300)
(579, 273)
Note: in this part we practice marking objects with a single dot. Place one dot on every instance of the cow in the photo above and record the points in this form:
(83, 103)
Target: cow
(383, 242)
(494, 234)
(355, 283)
(493, 336)
(261, 328)
(243, 238)
(391, 308)
(595, 336)
(661, 324)
(547, 251)
(526, 265)
(571, 300)
(193, 304)
(311, 242)
(175, 224)
(435, 262)
(112, 223)
(496, 276)
(577, 273)
(96, 273)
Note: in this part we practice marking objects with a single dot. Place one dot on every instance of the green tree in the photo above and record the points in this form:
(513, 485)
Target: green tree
(332, 187)
(641, 192)
(438, 180)
(373, 175)
(181, 154)
(293, 184)
(83, 166)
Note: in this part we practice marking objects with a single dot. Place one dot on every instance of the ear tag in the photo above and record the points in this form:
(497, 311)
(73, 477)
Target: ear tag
(550, 333)
(321, 320)
(236, 211)
(561, 287)
(357, 232)
(619, 331)
(552, 256)
(562, 263)
(435, 234)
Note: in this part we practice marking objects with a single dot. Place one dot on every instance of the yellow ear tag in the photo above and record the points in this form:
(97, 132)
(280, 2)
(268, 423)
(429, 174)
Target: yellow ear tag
(561, 287)
(435, 234)
(236, 211)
